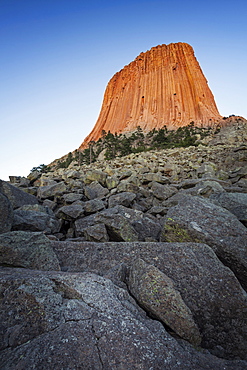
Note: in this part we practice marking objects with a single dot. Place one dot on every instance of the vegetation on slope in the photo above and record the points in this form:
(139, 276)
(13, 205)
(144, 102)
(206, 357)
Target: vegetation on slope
(110, 145)
(118, 145)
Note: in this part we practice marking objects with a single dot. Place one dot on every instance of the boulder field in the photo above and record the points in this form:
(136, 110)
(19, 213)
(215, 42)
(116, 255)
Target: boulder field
(135, 263)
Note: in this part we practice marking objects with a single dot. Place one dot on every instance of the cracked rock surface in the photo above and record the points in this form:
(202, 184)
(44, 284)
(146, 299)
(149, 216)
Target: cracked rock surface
(83, 321)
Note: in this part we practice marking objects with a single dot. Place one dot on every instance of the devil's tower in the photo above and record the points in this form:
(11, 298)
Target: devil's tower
(164, 86)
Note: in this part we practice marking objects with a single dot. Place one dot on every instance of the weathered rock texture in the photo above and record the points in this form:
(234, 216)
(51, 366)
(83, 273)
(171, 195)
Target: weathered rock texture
(143, 265)
(51, 320)
(27, 250)
(163, 86)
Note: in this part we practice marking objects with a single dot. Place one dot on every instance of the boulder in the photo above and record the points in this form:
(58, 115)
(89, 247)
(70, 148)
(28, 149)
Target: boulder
(163, 192)
(45, 181)
(27, 249)
(197, 219)
(147, 226)
(125, 199)
(156, 293)
(37, 208)
(154, 177)
(190, 183)
(123, 224)
(33, 176)
(143, 204)
(208, 288)
(81, 224)
(206, 188)
(117, 225)
(16, 196)
(14, 179)
(112, 182)
(95, 190)
(29, 220)
(95, 175)
(31, 190)
(93, 206)
(71, 212)
(235, 203)
(124, 174)
(96, 233)
(158, 210)
(51, 191)
(71, 174)
(6, 214)
(206, 170)
(74, 185)
(127, 186)
(24, 182)
(90, 193)
(72, 197)
(53, 320)
(50, 203)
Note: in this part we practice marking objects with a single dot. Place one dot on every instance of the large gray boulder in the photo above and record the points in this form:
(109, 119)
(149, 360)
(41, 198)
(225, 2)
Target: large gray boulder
(88, 229)
(31, 220)
(16, 196)
(96, 233)
(51, 191)
(122, 224)
(147, 226)
(6, 214)
(162, 192)
(236, 203)
(72, 197)
(55, 320)
(125, 199)
(95, 190)
(95, 175)
(118, 226)
(93, 206)
(198, 219)
(71, 212)
(27, 249)
(204, 283)
(156, 293)
(127, 185)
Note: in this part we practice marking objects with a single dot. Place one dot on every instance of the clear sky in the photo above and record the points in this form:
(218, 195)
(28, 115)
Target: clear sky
(57, 57)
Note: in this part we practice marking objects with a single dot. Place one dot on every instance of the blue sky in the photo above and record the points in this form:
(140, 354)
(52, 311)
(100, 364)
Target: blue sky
(57, 57)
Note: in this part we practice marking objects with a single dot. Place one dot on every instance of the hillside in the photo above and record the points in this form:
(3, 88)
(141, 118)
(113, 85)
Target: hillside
(133, 262)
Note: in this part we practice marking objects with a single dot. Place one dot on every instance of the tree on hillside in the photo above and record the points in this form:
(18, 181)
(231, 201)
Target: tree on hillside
(41, 168)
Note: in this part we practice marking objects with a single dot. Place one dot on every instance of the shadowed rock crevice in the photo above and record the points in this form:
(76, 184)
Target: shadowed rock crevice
(97, 338)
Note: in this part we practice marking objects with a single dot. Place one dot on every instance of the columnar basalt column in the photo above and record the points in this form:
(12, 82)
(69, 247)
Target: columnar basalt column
(163, 86)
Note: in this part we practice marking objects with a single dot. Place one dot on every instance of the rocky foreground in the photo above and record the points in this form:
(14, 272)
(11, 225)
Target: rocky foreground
(135, 263)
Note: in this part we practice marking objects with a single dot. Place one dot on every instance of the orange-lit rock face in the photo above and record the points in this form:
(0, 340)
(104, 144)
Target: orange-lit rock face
(164, 86)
